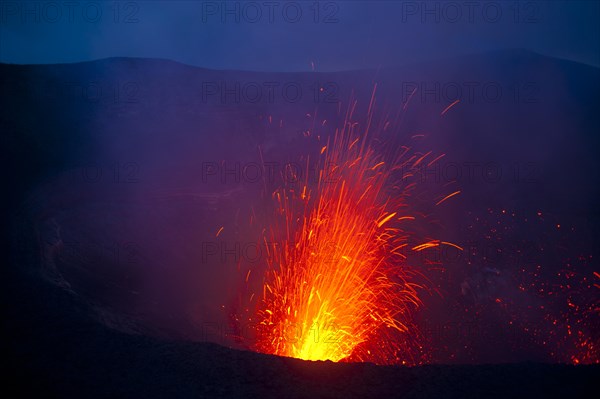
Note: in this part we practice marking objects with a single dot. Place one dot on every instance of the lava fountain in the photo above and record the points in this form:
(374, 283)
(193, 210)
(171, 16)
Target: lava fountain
(337, 285)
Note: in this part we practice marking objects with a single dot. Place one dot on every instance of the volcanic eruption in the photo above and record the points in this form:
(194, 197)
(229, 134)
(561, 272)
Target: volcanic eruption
(337, 285)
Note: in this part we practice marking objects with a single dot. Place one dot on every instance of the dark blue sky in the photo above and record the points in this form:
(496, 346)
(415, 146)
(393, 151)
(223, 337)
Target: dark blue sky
(289, 35)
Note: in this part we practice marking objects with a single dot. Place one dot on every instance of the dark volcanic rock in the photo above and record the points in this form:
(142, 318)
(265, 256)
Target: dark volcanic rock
(74, 329)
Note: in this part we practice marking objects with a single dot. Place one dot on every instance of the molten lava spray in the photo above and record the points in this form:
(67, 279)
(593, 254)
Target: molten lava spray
(337, 287)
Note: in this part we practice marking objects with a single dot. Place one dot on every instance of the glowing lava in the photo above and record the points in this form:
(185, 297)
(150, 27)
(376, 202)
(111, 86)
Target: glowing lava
(337, 286)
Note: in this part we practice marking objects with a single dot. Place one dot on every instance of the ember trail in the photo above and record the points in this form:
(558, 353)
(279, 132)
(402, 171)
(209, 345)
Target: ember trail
(339, 288)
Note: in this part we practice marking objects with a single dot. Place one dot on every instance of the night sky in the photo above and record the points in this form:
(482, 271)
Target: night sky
(291, 36)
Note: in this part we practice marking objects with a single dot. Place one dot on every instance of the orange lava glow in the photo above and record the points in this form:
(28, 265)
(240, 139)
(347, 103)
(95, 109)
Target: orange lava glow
(339, 287)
